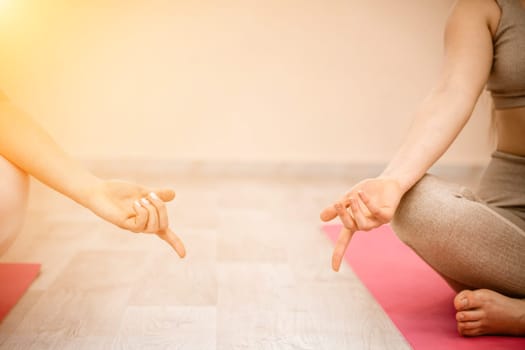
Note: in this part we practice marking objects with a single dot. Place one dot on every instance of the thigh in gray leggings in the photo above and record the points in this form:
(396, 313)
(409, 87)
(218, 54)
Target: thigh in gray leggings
(463, 238)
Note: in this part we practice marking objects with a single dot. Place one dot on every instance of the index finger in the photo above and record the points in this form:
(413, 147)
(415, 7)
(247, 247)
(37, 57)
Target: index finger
(174, 241)
(340, 247)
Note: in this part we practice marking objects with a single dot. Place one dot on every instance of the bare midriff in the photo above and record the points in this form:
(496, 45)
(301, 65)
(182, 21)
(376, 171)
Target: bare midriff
(511, 130)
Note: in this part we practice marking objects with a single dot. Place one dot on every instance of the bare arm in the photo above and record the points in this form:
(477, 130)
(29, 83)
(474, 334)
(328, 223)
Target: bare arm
(442, 115)
(438, 121)
(25, 144)
(130, 206)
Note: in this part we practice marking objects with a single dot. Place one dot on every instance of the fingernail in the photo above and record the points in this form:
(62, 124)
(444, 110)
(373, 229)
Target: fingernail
(464, 302)
(137, 203)
(154, 195)
(461, 316)
(145, 201)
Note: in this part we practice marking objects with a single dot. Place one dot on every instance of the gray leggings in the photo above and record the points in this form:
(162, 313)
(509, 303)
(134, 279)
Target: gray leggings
(472, 240)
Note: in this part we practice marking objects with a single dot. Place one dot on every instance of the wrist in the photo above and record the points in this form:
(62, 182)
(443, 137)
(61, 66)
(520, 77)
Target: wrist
(85, 188)
(402, 181)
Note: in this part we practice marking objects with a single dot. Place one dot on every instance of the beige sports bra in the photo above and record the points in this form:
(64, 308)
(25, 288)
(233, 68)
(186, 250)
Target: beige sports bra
(507, 77)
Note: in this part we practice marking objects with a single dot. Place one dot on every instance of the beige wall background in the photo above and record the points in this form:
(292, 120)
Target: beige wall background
(236, 80)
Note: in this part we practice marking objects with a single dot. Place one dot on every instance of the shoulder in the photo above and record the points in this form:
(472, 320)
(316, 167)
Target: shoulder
(487, 12)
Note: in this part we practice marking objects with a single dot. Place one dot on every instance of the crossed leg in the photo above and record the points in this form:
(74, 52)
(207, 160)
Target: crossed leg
(479, 252)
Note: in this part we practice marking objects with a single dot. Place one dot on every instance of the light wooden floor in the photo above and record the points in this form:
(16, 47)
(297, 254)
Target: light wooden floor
(257, 274)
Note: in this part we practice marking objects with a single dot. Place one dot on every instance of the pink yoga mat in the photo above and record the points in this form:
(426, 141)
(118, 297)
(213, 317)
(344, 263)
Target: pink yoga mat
(415, 297)
(14, 281)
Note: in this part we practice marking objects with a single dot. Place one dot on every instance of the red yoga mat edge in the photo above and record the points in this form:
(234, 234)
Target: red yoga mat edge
(15, 279)
(415, 297)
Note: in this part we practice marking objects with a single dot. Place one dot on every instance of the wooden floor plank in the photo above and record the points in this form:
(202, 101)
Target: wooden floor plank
(257, 274)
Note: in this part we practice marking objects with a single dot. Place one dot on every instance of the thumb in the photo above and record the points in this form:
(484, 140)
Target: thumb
(165, 195)
(328, 213)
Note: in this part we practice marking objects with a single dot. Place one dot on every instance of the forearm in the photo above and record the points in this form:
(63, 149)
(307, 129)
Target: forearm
(27, 145)
(437, 123)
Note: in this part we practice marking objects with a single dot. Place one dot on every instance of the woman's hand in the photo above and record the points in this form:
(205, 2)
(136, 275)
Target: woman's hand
(135, 208)
(369, 204)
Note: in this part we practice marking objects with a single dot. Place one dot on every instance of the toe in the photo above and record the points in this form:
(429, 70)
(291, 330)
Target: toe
(470, 315)
(469, 300)
(461, 301)
(469, 329)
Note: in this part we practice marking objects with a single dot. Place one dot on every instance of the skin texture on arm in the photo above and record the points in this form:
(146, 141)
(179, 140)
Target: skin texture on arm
(441, 116)
(27, 145)
(130, 206)
(438, 120)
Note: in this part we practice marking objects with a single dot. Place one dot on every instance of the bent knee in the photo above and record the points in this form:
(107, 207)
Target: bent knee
(429, 207)
(14, 191)
(14, 187)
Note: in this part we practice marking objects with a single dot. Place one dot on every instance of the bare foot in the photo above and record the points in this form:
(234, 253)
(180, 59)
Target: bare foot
(484, 311)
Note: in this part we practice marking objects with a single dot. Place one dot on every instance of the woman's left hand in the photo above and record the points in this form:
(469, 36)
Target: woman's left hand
(369, 204)
(135, 208)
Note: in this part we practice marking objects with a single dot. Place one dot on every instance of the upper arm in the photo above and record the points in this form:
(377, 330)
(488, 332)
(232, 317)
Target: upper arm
(468, 49)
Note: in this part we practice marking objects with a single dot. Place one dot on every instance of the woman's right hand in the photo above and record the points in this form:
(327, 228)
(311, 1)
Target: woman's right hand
(369, 204)
(135, 208)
